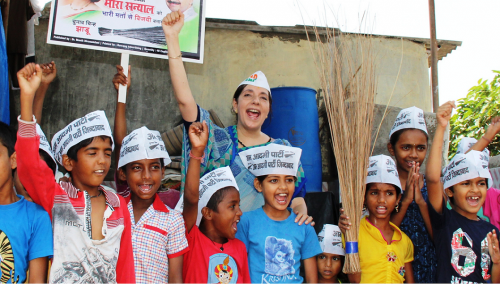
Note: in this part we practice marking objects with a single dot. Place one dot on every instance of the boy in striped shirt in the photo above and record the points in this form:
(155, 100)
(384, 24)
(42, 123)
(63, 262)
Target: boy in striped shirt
(91, 226)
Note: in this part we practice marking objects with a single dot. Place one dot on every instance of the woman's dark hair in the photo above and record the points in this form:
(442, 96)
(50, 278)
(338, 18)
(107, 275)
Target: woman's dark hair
(73, 151)
(8, 138)
(238, 92)
(94, 1)
(48, 160)
(395, 136)
(217, 198)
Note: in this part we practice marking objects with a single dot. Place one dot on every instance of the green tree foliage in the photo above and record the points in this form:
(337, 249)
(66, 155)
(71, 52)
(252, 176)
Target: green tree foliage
(474, 114)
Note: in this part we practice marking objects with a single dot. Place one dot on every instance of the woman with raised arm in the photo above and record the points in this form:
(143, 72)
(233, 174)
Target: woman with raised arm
(251, 103)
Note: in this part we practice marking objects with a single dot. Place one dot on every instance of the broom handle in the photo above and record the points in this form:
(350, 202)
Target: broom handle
(122, 89)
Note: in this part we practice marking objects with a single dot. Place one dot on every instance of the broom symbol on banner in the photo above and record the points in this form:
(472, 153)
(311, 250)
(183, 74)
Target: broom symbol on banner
(152, 35)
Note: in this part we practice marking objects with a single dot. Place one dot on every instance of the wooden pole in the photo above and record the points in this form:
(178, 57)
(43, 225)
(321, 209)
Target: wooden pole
(122, 90)
(434, 58)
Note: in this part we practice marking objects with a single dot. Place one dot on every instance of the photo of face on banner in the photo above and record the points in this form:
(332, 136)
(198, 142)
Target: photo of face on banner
(77, 8)
(185, 6)
(131, 26)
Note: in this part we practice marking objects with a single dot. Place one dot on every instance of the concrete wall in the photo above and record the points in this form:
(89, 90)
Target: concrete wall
(84, 78)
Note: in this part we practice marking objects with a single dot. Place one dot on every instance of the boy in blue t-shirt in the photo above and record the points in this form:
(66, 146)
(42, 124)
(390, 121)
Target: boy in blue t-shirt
(25, 229)
(275, 243)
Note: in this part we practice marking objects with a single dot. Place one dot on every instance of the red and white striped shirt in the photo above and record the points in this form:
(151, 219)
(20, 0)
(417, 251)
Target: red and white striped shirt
(77, 257)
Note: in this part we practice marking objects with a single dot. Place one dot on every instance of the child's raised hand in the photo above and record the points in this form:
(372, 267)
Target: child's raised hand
(198, 135)
(121, 79)
(344, 223)
(493, 247)
(493, 129)
(172, 23)
(29, 80)
(49, 72)
(443, 114)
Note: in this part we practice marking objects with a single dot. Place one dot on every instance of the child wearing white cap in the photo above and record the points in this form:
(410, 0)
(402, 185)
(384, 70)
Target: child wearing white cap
(385, 252)
(276, 244)
(158, 232)
(251, 102)
(467, 247)
(211, 211)
(89, 223)
(408, 143)
(331, 261)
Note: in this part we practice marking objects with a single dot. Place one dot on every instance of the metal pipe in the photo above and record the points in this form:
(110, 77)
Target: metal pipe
(434, 58)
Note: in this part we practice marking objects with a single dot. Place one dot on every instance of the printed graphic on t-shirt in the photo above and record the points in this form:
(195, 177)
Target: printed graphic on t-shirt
(92, 268)
(222, 269)
(7, 260)
(485, 259)
(279, 256)
(462, 252)
(461, 245)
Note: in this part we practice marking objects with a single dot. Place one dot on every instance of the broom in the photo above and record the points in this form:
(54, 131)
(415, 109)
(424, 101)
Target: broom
(345, 64)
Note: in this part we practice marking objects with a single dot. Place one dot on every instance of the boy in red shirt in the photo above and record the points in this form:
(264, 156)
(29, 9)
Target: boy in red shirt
(92, 237)
(211, 209)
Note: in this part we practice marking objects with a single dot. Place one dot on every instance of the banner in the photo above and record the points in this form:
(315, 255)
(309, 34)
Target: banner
(127, 26)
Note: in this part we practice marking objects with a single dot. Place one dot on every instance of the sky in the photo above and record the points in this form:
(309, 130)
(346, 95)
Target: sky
(471, 22)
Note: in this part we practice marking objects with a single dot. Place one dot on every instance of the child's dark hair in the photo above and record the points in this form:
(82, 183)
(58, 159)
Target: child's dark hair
(262, 178)
(123, 168)
(48, 160)
(395, 136)
(8, 138)
(398, 190)
(342, 276)
(217, 198)
(73, 151)
(451, 198)
(240, 89)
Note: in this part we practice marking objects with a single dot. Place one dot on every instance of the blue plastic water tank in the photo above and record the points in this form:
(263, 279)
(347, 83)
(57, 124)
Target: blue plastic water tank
(295, 118)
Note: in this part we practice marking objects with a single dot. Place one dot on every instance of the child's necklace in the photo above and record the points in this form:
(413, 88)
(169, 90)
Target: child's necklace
(100, 192)
(221, 246)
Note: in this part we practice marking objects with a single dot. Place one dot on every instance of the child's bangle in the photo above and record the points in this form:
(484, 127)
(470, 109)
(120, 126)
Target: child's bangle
(489, 141)
(197, 158)
(175, 57)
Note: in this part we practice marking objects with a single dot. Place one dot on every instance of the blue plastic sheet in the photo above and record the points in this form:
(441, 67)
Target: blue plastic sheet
(4, 77)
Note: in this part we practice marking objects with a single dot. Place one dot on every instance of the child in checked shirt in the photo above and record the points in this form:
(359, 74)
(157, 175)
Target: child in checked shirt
(158, 232)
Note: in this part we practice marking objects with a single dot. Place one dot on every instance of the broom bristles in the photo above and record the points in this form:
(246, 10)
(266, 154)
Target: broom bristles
(152, 34)
(346, 69)
(104, 31)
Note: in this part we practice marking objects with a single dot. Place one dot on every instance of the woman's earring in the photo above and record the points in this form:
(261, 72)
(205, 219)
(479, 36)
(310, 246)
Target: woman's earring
(397, 208)
(364, 207)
